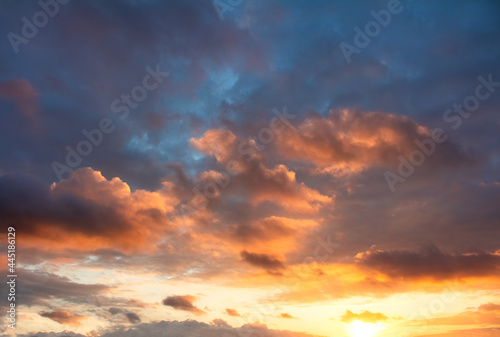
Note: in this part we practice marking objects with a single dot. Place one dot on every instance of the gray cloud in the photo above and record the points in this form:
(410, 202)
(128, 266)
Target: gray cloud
(431, 262)
(133, 318)
(182, 302)
(263, 261)
(189, 328)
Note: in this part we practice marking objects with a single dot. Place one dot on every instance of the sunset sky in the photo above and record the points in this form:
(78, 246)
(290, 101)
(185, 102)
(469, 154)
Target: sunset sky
(248, 168)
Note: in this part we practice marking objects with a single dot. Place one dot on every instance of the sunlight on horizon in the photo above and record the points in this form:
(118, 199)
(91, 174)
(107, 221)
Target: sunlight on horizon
(362, 329)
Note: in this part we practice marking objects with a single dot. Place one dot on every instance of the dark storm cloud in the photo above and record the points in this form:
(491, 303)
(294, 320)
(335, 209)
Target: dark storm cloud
(430, 262)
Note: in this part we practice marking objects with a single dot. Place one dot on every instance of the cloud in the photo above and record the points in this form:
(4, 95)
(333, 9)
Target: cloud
(63, 317)
(114, 311)
(23, 94)
(232, 312)
(263, 261)
(349, 141)
(365, 316)
(489, 307)
(467, 318)
(276, 235)
(430, 262)
(43, 287)
(133, 318)
(485, 332)
(256, 179)
(218, 143)
(184, 302)
(220, 323)
(275, 201)
(189, 328)
(285, 315)
(88, 208)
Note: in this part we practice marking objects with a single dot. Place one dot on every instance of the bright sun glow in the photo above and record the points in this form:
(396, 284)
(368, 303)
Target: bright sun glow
(362, 329)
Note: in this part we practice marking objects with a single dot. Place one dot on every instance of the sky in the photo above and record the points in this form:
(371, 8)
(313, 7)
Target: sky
(247, 168)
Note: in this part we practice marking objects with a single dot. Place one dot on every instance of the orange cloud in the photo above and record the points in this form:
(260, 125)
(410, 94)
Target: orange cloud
(365, 316)
(348, 141)
(218, 143)
(286, 315)
(87, 211)
(468, 318)
(274, 235)
(489, 307)
(487, 332)
(184, 302)
(254, 177)
(63, 317)
(232, 312)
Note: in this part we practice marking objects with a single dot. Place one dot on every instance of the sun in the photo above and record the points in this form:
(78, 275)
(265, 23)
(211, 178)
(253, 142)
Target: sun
(362, 329)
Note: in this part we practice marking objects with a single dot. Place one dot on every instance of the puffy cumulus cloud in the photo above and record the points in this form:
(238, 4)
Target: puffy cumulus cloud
(279, 185)
(91, 184)
(63, 317)
(89, 214)
(85, 211)
(189, 328)
(250, 175)
(430, 262)
(366, 316)
(217, 143)
(23, 94)
(232, 312)
(349, 141)
(182, 302)
(269, 263)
